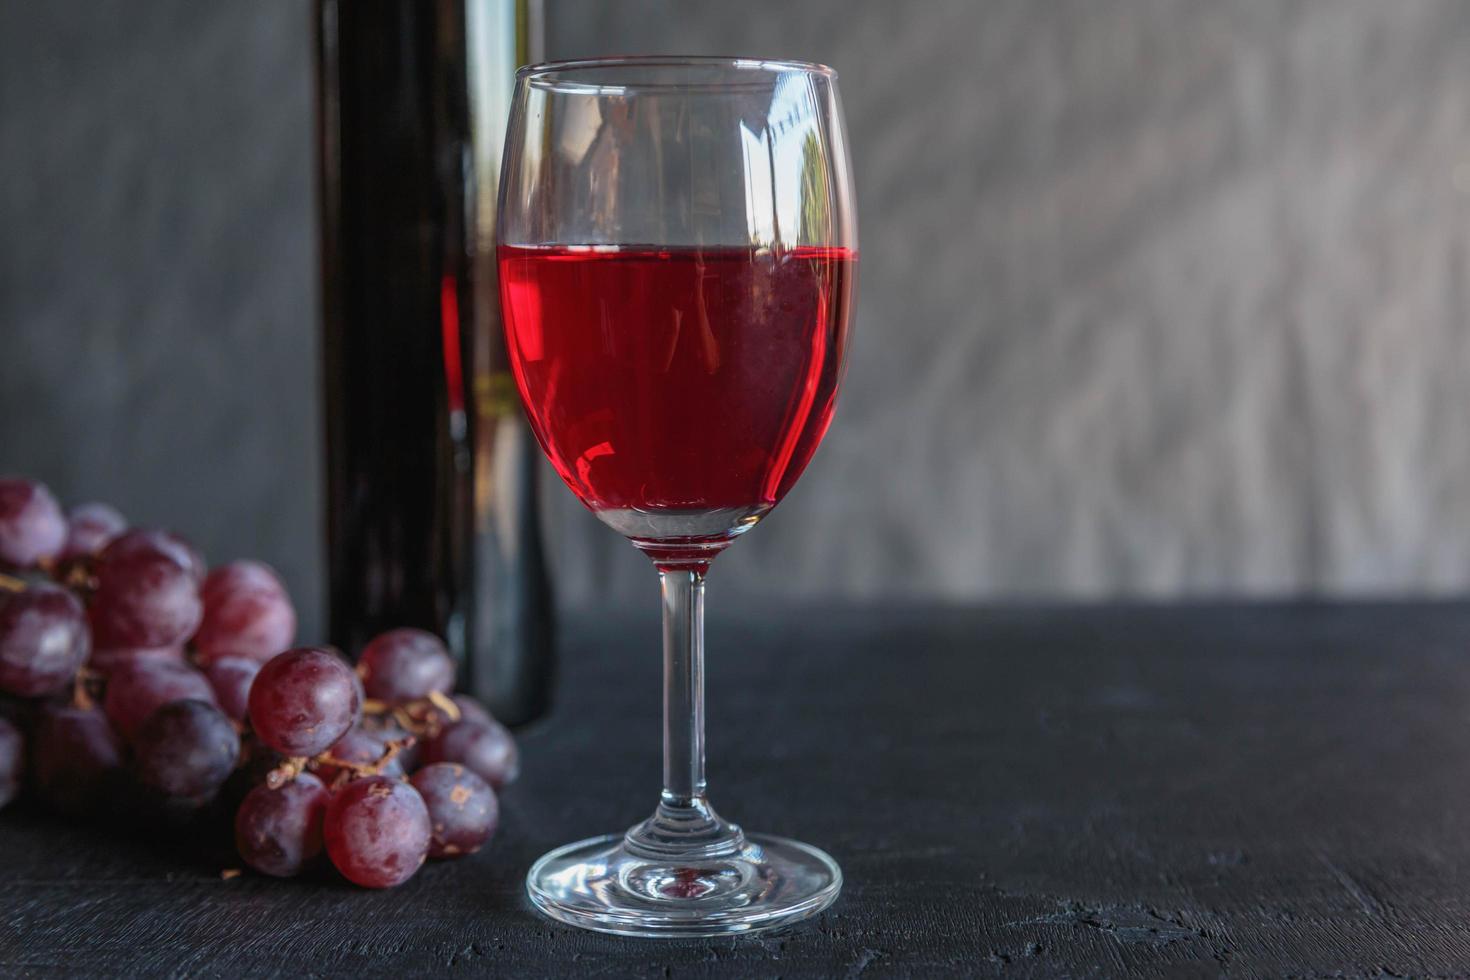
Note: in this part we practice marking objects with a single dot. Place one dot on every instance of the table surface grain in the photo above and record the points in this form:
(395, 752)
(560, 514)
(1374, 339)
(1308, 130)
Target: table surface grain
(1162, 791)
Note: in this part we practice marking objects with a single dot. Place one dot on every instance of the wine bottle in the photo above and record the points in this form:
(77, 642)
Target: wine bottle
(431, 470)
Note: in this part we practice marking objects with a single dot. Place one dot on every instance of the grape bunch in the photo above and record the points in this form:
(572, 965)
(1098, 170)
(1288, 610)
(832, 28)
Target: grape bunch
(128, 669)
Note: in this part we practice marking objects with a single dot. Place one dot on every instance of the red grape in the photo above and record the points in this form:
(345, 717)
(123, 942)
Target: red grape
(12, 761)
(186, 749)
(277, 831)
(143, 541)
(231, 678)
(247, 613)
(304, 700)
(106, 661)
(463, 810)
(377, 831)
(136, 690)
(472, 710)
(358, 747)
(76, 759)
(32, 527)
(90, 528)
(43, 640)
(147, 591)
(487, 750)
(405, 665)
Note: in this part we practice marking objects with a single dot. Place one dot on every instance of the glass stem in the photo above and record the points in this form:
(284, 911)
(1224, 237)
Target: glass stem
(683, 600)
(684, 826)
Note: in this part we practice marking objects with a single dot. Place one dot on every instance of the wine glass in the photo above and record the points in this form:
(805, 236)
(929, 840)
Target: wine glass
(676, 250)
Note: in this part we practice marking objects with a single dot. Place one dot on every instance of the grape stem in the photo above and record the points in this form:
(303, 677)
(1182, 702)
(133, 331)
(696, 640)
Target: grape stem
(352, 770)
(79, 579)
(286, 771)
(445, 704)
(10, 583)
(426, 716)
(82, 688)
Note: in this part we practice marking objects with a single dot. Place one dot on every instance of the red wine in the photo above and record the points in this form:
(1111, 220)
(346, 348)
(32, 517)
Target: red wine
(677, 379)
(431, 472)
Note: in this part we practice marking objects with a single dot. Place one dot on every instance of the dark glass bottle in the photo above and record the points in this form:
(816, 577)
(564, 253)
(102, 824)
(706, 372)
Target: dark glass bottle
(431, 470)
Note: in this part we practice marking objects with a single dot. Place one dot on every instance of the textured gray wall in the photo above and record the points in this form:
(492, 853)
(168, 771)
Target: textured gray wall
(158, 267)
(1158, 298)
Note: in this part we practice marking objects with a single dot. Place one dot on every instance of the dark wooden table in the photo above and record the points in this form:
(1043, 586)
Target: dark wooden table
(1246, 790)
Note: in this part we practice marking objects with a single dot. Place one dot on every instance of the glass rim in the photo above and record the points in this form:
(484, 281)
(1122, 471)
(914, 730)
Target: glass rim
(675, 61)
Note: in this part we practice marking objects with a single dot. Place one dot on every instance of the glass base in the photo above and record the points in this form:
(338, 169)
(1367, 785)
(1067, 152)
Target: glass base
(610, 884)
